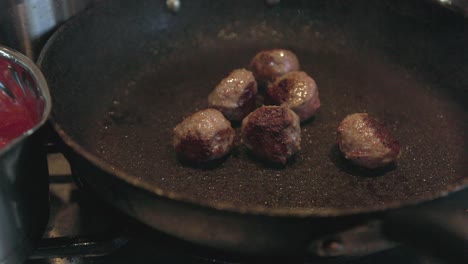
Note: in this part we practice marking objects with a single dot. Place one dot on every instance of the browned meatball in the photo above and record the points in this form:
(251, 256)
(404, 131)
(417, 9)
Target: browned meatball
(272, 133)
(298, 90)
(269, 64)
(235, 95)
(366, 142)
(205, 135)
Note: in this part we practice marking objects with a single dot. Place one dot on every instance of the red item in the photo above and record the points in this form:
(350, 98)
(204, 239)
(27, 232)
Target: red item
(19, 106)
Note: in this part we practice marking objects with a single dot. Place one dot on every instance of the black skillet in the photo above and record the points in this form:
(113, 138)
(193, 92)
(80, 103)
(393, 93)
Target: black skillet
(123, 74)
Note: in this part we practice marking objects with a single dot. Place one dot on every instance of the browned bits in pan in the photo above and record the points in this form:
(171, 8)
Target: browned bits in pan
(272, 133)
(366, 142)
(205, 135)
(269, 64)
(235, 95)
(298, 91)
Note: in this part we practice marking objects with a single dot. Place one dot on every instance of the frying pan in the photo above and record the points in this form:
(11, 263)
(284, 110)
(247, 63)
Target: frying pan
(123, 74)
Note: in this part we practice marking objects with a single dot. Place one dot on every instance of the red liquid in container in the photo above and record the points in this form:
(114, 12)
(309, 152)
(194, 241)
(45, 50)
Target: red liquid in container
(19, 105)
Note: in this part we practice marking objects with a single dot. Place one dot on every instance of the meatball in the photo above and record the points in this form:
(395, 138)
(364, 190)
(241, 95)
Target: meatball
(366, 142)
(269, 64)
(235, 95)
(272, 133)
(297, 90)
(205, 135)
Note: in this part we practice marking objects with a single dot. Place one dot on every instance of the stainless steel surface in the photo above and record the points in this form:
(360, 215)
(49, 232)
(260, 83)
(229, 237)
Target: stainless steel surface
(23, 169)
(26, 24)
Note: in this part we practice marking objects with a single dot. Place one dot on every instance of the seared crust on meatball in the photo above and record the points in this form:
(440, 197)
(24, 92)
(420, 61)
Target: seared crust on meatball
(205, 135)
(269, 64)
(298, 90)
(272, 133)
(235, 95)
(366, 142)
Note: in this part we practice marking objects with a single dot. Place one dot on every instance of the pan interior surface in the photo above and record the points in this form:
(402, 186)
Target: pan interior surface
(122, 76)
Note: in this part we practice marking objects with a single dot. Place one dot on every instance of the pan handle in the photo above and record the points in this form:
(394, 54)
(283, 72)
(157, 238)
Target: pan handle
(438, 230)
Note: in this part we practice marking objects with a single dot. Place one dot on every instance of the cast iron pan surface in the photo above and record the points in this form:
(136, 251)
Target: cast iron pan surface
(124, 74)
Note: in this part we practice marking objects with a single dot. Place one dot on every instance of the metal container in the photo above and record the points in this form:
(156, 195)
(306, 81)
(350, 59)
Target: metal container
(24, 193)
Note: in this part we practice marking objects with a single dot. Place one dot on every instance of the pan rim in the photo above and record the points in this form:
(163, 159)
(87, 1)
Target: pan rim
(298, 212)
